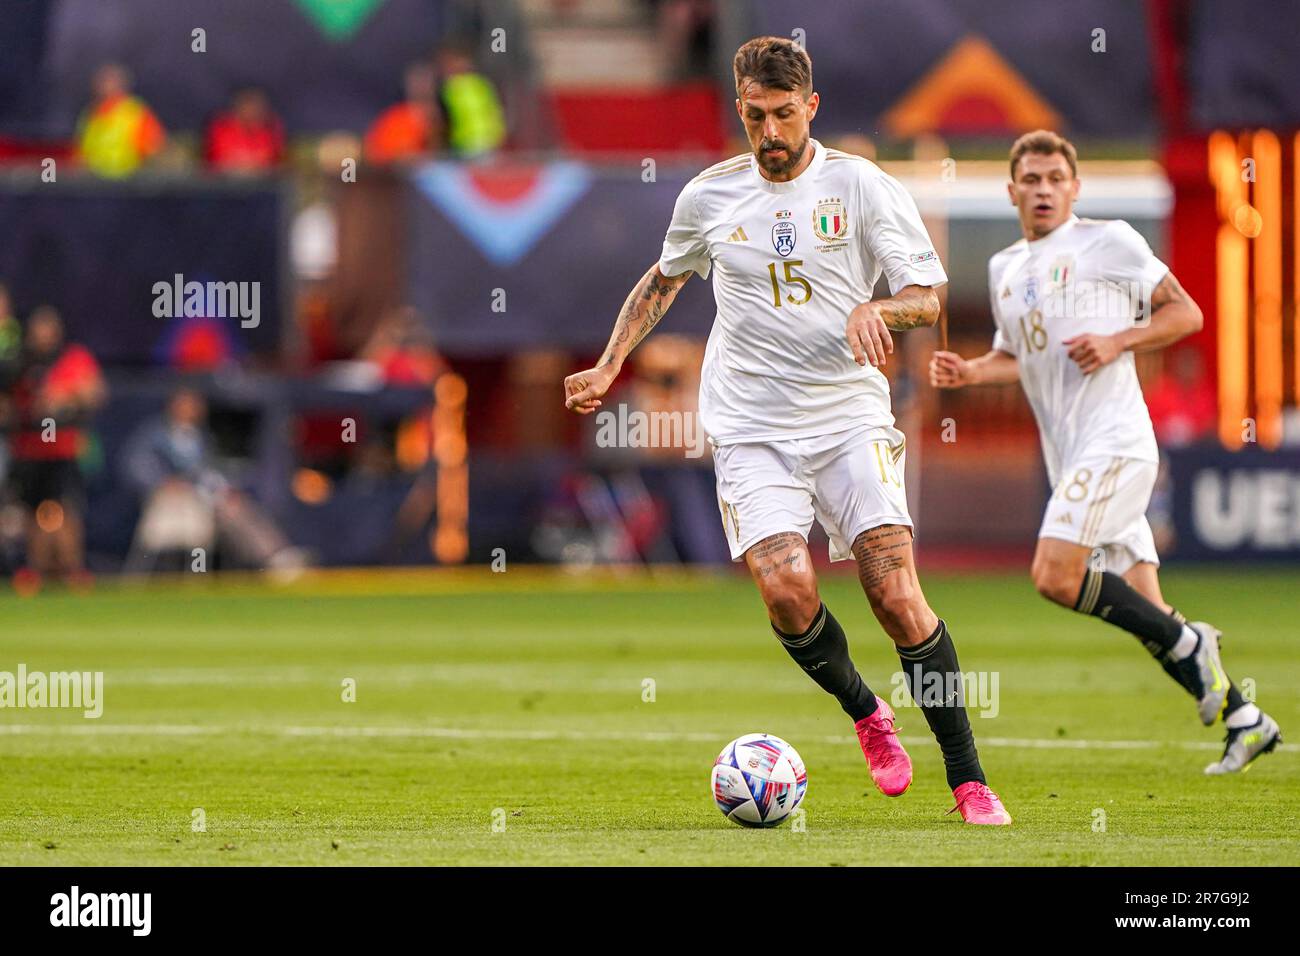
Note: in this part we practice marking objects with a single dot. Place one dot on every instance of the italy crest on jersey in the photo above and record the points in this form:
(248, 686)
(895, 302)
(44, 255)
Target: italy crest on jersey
(830, 220)
(1060, 271)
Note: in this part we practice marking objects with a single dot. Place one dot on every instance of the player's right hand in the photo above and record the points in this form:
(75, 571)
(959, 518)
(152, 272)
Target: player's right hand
(582, 390)
(949, 370)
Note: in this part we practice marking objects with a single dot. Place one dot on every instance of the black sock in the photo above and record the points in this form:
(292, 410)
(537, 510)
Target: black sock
(823, 652)
(944, 706)
(1235, 700)
(1111, 598)
(1180, 675)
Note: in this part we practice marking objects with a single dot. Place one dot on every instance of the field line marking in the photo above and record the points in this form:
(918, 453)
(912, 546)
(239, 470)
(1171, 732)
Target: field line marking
(480, 733)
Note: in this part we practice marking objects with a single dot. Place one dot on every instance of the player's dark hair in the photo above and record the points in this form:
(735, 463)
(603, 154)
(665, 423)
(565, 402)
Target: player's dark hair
(1045, 143)
(774, 62)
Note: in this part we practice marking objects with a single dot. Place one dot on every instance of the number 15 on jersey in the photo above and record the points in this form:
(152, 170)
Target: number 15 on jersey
(791, 280)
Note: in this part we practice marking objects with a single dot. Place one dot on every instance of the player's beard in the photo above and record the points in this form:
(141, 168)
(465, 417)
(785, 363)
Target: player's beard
(778, 167)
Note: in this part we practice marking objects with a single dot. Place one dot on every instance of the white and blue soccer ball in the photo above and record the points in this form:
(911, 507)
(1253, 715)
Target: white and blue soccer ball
(758, 780)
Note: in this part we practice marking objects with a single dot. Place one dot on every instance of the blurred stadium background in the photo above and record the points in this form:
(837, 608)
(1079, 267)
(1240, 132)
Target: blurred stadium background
(444, 202)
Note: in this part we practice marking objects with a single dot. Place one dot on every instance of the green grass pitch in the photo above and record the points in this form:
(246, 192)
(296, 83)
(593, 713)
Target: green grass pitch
(501, 719)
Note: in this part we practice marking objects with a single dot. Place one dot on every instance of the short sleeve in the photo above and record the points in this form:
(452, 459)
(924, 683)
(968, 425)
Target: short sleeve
(1000, 341)
(896, 237)
(684, 247)
(1128, 259)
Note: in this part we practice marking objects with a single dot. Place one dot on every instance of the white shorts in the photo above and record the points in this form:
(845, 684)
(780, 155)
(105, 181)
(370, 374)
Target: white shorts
(1101, 502)
(850, 482)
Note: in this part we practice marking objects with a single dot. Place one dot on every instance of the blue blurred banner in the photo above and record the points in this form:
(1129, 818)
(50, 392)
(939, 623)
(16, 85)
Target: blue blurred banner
(511, 257)
(1235, 505)
(1242, 64)
(96, 252)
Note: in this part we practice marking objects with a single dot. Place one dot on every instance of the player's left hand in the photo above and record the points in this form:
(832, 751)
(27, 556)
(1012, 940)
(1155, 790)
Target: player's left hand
(1092, 351)
(868, 335)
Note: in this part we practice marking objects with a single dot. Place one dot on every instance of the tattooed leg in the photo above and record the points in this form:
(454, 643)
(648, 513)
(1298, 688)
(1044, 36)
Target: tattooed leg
(803, 624)
(785, 580)
(925, 648)
(887, 572)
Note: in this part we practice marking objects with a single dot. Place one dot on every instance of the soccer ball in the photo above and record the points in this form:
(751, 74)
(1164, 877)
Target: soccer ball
(758, 780)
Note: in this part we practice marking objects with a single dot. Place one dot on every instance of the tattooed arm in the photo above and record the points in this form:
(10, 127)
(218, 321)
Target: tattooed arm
(914, 307)
(1174, 315)
(645, 306)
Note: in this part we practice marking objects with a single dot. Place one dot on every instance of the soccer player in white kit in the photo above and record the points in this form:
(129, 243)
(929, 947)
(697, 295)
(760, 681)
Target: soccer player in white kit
(1072, 301)
(794, 402)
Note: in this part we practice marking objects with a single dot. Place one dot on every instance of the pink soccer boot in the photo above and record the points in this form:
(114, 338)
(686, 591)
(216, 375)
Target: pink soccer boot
(979, 804)
(891, 767)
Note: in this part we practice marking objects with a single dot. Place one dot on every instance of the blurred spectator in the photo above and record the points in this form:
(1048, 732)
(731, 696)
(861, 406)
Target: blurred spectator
(314, 250)
(413, 128)
(665, 382)
(650, 494)
(11, 333)
(686, 35)
(11, 343)
(55, 390)
(1184, 408)
(247, 138)
(188, 503)
(402, 349)
(481, 28)
(198, 343)
(314, 234)
(117, 132)
(475, 121)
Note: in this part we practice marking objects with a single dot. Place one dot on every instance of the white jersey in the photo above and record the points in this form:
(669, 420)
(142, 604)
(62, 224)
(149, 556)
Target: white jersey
(1087, 275)
(792, 261)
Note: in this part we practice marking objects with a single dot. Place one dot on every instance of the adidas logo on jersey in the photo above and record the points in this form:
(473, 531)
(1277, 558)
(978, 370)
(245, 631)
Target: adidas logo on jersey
(738, 236)
(1065, 519)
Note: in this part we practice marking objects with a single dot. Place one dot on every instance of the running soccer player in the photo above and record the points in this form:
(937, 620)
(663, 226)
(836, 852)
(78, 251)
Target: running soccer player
(1072, 301)
(795, 404)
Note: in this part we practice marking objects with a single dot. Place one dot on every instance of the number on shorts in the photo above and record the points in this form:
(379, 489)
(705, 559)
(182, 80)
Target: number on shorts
(729, 511)
(1080, 481)
(887, 464)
